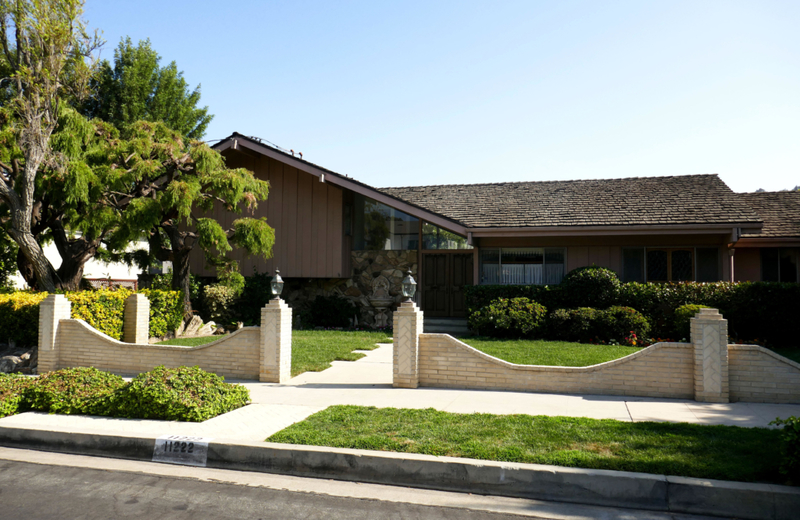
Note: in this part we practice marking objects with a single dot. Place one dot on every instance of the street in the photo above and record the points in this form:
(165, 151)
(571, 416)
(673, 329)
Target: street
(40, 485)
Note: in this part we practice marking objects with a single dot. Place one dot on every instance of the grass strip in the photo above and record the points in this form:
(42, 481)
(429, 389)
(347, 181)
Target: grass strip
(550, 353)
(313, 350)
(689, 450)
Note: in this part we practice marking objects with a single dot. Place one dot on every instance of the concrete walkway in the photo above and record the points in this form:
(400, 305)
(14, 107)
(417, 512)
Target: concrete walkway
(368, 382)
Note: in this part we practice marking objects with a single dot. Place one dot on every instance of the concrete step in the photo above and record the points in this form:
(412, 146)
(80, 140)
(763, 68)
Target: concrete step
(452, 326)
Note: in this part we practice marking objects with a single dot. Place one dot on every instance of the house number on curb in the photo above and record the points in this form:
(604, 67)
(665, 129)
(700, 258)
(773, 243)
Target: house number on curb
(181, 449)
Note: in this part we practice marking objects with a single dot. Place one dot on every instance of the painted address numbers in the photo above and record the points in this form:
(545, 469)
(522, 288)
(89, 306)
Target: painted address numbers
(181, 449)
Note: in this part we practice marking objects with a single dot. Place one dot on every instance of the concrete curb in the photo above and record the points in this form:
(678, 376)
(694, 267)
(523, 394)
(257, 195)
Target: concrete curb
(554, 483)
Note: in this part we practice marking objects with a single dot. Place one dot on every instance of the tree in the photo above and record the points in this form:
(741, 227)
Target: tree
(136, 88)
(162, 186)
(45, 47)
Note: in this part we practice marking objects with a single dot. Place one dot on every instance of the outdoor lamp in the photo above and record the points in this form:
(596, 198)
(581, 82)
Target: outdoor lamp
(409, 287)
(277, 285)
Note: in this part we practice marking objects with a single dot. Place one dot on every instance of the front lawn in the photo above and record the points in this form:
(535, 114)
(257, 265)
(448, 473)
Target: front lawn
(313, 350)
(689, 450)
(551, 353)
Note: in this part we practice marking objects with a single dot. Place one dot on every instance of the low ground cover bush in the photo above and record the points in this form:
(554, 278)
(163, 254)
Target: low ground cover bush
(511, 318)
(12, 387)
(713, 452)
(178, 394)
(328, 311)
(85, 391)
(790, 439)
(102, 309)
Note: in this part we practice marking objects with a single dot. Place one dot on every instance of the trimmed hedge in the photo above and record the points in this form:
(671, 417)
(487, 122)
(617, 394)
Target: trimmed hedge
(623, 325)
(102, 309)
(765, 311)
(514, 318)
(683, 314)
(172, 394)
(589, 286)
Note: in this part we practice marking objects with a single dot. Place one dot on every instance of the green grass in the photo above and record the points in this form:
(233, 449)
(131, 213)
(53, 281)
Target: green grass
(313, 350)
(716, 452)
(791, 353)
(552, 353)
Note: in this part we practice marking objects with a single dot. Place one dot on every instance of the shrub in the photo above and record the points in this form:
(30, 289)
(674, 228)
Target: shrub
(256, 294)
(166, 311)
(102, 309)
(478, 296)
(328, 311)
(85, 391)
(179, 394)
(591, 286)
(19, 316)
(681, 318)
(219, 300)
(12, 388)
(790, 435)
(623, 324)
(515, 318)
(578, 325)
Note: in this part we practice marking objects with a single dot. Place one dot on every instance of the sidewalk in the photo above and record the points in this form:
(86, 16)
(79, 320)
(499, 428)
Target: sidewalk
(368, 382)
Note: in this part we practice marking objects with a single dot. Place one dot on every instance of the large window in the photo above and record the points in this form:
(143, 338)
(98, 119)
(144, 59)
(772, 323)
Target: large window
(379, 227)
(434, 237)
(680, 264)
(522, 266)
(779, 264)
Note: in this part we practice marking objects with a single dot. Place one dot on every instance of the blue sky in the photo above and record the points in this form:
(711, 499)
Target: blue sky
(443, 92)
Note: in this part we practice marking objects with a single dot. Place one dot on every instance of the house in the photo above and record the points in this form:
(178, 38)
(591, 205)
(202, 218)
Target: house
(771, 254)
(335, 234)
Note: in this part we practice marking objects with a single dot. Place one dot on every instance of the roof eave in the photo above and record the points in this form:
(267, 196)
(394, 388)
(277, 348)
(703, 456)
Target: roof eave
(563, 231)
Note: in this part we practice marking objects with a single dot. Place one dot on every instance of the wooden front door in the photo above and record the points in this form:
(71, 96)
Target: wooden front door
(444, 275)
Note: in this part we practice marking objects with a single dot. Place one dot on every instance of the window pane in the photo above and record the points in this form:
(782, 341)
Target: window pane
(633, 265)
(770, 258)
(490, 266)
(682, 265)
(788, 265)
(553, 266)
(379, 227)
(434, 237)
(656, 266)
(708, 264)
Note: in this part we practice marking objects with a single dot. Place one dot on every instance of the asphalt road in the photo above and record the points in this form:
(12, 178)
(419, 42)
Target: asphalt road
(41, 485)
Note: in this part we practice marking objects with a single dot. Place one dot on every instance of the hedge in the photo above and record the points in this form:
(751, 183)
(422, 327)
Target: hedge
(765, 311)
(102, 309)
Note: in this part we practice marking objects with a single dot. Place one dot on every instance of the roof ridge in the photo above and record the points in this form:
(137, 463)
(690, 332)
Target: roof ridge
(567, 181)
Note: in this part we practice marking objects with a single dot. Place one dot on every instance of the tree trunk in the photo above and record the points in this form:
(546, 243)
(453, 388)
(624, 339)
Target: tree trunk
(25, 268)
(32, 251)
(181, 281)
(74, 255)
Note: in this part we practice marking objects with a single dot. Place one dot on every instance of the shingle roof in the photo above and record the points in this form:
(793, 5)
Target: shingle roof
(680, 200)
(780, 211)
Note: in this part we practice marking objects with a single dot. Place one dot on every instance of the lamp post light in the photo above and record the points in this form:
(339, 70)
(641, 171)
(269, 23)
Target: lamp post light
(276, 285)
(409, 287)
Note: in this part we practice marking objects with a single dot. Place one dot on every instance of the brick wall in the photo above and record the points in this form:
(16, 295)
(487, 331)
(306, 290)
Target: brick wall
(79, 345)
(662, 370)
(758, 375)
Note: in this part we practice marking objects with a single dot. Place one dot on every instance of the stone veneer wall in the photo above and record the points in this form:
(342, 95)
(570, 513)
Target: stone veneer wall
(80, 345)
(758, 375)
(367, 266)
(661, 370)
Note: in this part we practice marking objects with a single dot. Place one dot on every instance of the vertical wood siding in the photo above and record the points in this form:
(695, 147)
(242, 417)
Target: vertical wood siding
(306, 215)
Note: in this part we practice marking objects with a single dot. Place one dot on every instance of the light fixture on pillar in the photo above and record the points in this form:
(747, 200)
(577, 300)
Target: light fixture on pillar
(277, 285)
(409, 287)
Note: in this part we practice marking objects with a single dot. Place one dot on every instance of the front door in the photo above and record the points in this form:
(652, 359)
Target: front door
(444, 275)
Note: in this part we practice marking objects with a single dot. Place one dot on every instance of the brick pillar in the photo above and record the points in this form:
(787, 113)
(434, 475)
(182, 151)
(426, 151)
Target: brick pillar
(407, 328)
(52, 309)
(136, 320)
(710, 340)
(276, 342)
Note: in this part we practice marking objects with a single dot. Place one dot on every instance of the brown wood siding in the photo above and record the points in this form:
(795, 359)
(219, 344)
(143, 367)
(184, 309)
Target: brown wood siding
(306, 215)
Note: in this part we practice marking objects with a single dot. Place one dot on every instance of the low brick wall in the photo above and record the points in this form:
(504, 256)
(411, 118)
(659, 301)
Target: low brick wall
(758, 375)
(661, 370)
(79, 345)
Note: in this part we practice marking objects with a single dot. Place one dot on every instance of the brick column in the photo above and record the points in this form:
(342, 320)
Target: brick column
(276, 342)
(407, 328)
(136, 320)
(52, 309)
(710, 340)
